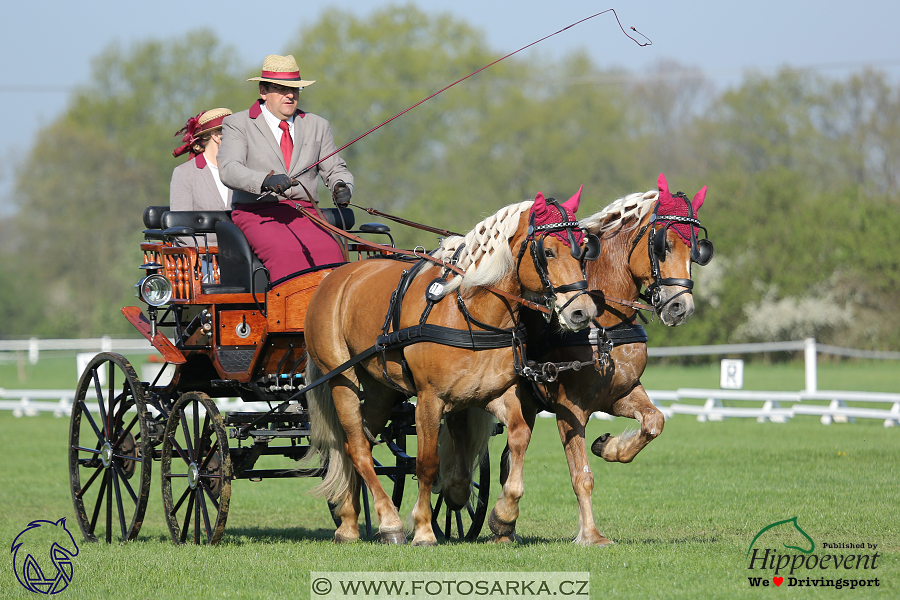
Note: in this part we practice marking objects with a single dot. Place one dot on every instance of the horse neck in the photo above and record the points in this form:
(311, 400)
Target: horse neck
(611, 274)
(493, 309)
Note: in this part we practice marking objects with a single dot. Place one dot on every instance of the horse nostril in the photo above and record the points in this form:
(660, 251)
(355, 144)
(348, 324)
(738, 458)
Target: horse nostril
(578, 316)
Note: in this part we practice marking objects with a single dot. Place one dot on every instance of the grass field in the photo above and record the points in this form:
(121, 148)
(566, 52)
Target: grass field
(56, 370)
(683, 515)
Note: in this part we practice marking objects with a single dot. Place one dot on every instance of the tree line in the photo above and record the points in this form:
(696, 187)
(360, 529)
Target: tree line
(803, 171)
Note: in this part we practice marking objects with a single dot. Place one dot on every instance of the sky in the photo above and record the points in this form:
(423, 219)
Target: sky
(48, 46)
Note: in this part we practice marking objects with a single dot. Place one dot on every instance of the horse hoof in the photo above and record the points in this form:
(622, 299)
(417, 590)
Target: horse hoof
(391, 537)
(500, 528)
(424, 543)
(507, 539)
(599, 444)
(340, 539)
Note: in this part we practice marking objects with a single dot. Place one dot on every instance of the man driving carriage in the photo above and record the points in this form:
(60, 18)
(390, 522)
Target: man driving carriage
(264, 150)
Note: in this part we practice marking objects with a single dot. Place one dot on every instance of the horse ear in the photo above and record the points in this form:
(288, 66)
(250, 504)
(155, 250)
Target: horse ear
(540, 204)
(662, 184)
(699, 197)
(571, 204)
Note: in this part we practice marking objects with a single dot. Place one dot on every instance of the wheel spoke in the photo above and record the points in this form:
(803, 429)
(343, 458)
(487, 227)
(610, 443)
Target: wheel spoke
(196, 518)
(99, 504)
(187, 435)
(119, 506)
(124, 480)
(209, 493)
(187, 516)
(201, 502)
(84, 489)
(181, 453)
(109, 492)
(197, 440)
(99, 391)
(447, 523)
(85, 412)
(459, 524)
(181, 500)
(470, 510)
(111, 413)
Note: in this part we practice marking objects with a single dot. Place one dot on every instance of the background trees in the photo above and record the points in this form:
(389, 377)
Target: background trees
(803, 172)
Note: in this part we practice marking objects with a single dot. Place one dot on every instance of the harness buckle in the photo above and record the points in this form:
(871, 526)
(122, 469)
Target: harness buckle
(551, 304)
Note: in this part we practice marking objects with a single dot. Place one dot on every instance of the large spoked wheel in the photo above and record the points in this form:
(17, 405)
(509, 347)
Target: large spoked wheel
(196, 471)
(109, 450)
(465, 523)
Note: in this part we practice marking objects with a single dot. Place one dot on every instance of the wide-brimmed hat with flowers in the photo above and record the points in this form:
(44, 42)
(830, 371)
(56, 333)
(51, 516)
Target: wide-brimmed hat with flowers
(282, 70)
(206, 121)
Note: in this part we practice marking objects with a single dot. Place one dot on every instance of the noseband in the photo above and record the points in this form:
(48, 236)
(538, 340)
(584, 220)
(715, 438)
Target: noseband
(701, 252)
(534, 240)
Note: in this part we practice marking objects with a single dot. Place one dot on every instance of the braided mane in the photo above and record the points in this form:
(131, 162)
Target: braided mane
(486, 257)
(615, 215)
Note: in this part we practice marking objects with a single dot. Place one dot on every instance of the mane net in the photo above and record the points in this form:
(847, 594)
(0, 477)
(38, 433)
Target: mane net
(486, 257)
(619, 212)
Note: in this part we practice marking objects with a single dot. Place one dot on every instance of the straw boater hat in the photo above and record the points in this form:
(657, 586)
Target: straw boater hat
(282, 70)
(204, 122)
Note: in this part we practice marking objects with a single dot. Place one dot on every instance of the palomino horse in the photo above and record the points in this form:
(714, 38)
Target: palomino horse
(355, 306)
(648, 240)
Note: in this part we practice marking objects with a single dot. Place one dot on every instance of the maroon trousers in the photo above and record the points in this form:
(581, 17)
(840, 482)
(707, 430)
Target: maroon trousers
(283, 239)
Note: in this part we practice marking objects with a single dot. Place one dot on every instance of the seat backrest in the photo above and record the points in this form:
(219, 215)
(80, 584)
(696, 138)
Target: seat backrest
(153, 216)
(201, 221)
(237, 262)
(340, 217)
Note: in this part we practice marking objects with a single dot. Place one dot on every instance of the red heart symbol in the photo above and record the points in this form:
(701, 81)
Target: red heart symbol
(778, 580)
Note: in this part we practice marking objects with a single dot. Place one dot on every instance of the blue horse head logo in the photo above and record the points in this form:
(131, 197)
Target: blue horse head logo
(30, 551)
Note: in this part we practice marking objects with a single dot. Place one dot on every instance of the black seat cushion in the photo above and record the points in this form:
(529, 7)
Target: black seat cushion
(153, 216)
(201, 221)
(340, 217)
(237, 262)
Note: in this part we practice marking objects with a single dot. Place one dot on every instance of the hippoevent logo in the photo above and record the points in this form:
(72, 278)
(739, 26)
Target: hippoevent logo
(42, 556)
(783, 554)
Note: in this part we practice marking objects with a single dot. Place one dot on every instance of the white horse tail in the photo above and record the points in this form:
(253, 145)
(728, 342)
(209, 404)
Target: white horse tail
(479, 426)
(327, 440)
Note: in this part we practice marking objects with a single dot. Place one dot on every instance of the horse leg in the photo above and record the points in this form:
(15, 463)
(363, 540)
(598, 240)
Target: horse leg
(508, 408)
(571, 422)
(455, 472)
(428, 422)
(359, 448)
(625, 446)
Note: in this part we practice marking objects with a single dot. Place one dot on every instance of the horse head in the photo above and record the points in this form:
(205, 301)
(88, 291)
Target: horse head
(672, 245)
(551, 234)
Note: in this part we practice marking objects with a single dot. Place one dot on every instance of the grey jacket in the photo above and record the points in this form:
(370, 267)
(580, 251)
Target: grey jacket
(249, 152)
(194, 188)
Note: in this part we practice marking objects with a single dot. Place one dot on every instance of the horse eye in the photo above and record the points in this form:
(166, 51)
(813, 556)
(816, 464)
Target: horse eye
(550, 253)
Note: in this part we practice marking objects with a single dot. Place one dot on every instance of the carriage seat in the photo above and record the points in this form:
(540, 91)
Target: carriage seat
(238, 264)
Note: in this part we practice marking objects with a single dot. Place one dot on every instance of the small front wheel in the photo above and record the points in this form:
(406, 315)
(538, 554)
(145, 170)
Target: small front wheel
(196, 471)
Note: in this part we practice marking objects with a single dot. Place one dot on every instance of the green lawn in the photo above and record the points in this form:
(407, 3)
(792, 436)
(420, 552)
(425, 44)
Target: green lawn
(683, 515)
(56, 370)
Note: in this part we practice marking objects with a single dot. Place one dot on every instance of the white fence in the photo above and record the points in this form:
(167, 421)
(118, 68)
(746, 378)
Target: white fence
(775, 407)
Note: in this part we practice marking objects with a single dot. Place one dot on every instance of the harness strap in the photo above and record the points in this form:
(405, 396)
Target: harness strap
(392, 250)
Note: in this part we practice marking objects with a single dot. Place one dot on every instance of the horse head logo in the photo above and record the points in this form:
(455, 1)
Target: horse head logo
(792, 521)
(30, 550)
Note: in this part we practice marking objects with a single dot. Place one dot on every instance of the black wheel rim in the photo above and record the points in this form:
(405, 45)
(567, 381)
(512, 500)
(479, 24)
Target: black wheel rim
(195, 468)
(108, 442)
(465, 523)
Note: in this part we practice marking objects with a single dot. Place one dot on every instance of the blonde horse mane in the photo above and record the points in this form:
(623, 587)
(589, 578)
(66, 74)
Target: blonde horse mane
(619, 211)
(486, 257)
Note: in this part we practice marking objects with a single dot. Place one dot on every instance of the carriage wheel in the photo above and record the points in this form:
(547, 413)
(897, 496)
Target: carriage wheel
(108, 441)
(464, 524)
(196, 471)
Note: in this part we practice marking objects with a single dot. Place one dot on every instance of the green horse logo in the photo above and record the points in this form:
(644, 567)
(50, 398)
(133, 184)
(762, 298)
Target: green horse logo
(792, 521)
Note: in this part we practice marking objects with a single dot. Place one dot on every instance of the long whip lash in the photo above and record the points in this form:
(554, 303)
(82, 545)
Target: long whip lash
(612, 10)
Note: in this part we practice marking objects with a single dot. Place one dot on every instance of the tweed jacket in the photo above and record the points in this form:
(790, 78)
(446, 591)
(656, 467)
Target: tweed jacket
(194, 188)
(249, 151)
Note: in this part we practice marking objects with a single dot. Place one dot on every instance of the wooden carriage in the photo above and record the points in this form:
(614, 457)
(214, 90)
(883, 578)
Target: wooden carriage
(229, 332)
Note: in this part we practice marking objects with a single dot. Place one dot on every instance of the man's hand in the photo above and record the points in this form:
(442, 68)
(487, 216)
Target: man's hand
(277, 183)
(341, 194)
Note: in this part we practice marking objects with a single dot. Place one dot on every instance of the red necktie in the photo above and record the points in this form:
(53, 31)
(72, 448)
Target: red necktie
(287, 144)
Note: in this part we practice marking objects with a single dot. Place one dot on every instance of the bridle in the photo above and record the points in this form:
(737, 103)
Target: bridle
(534, 241)
(701, 251)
